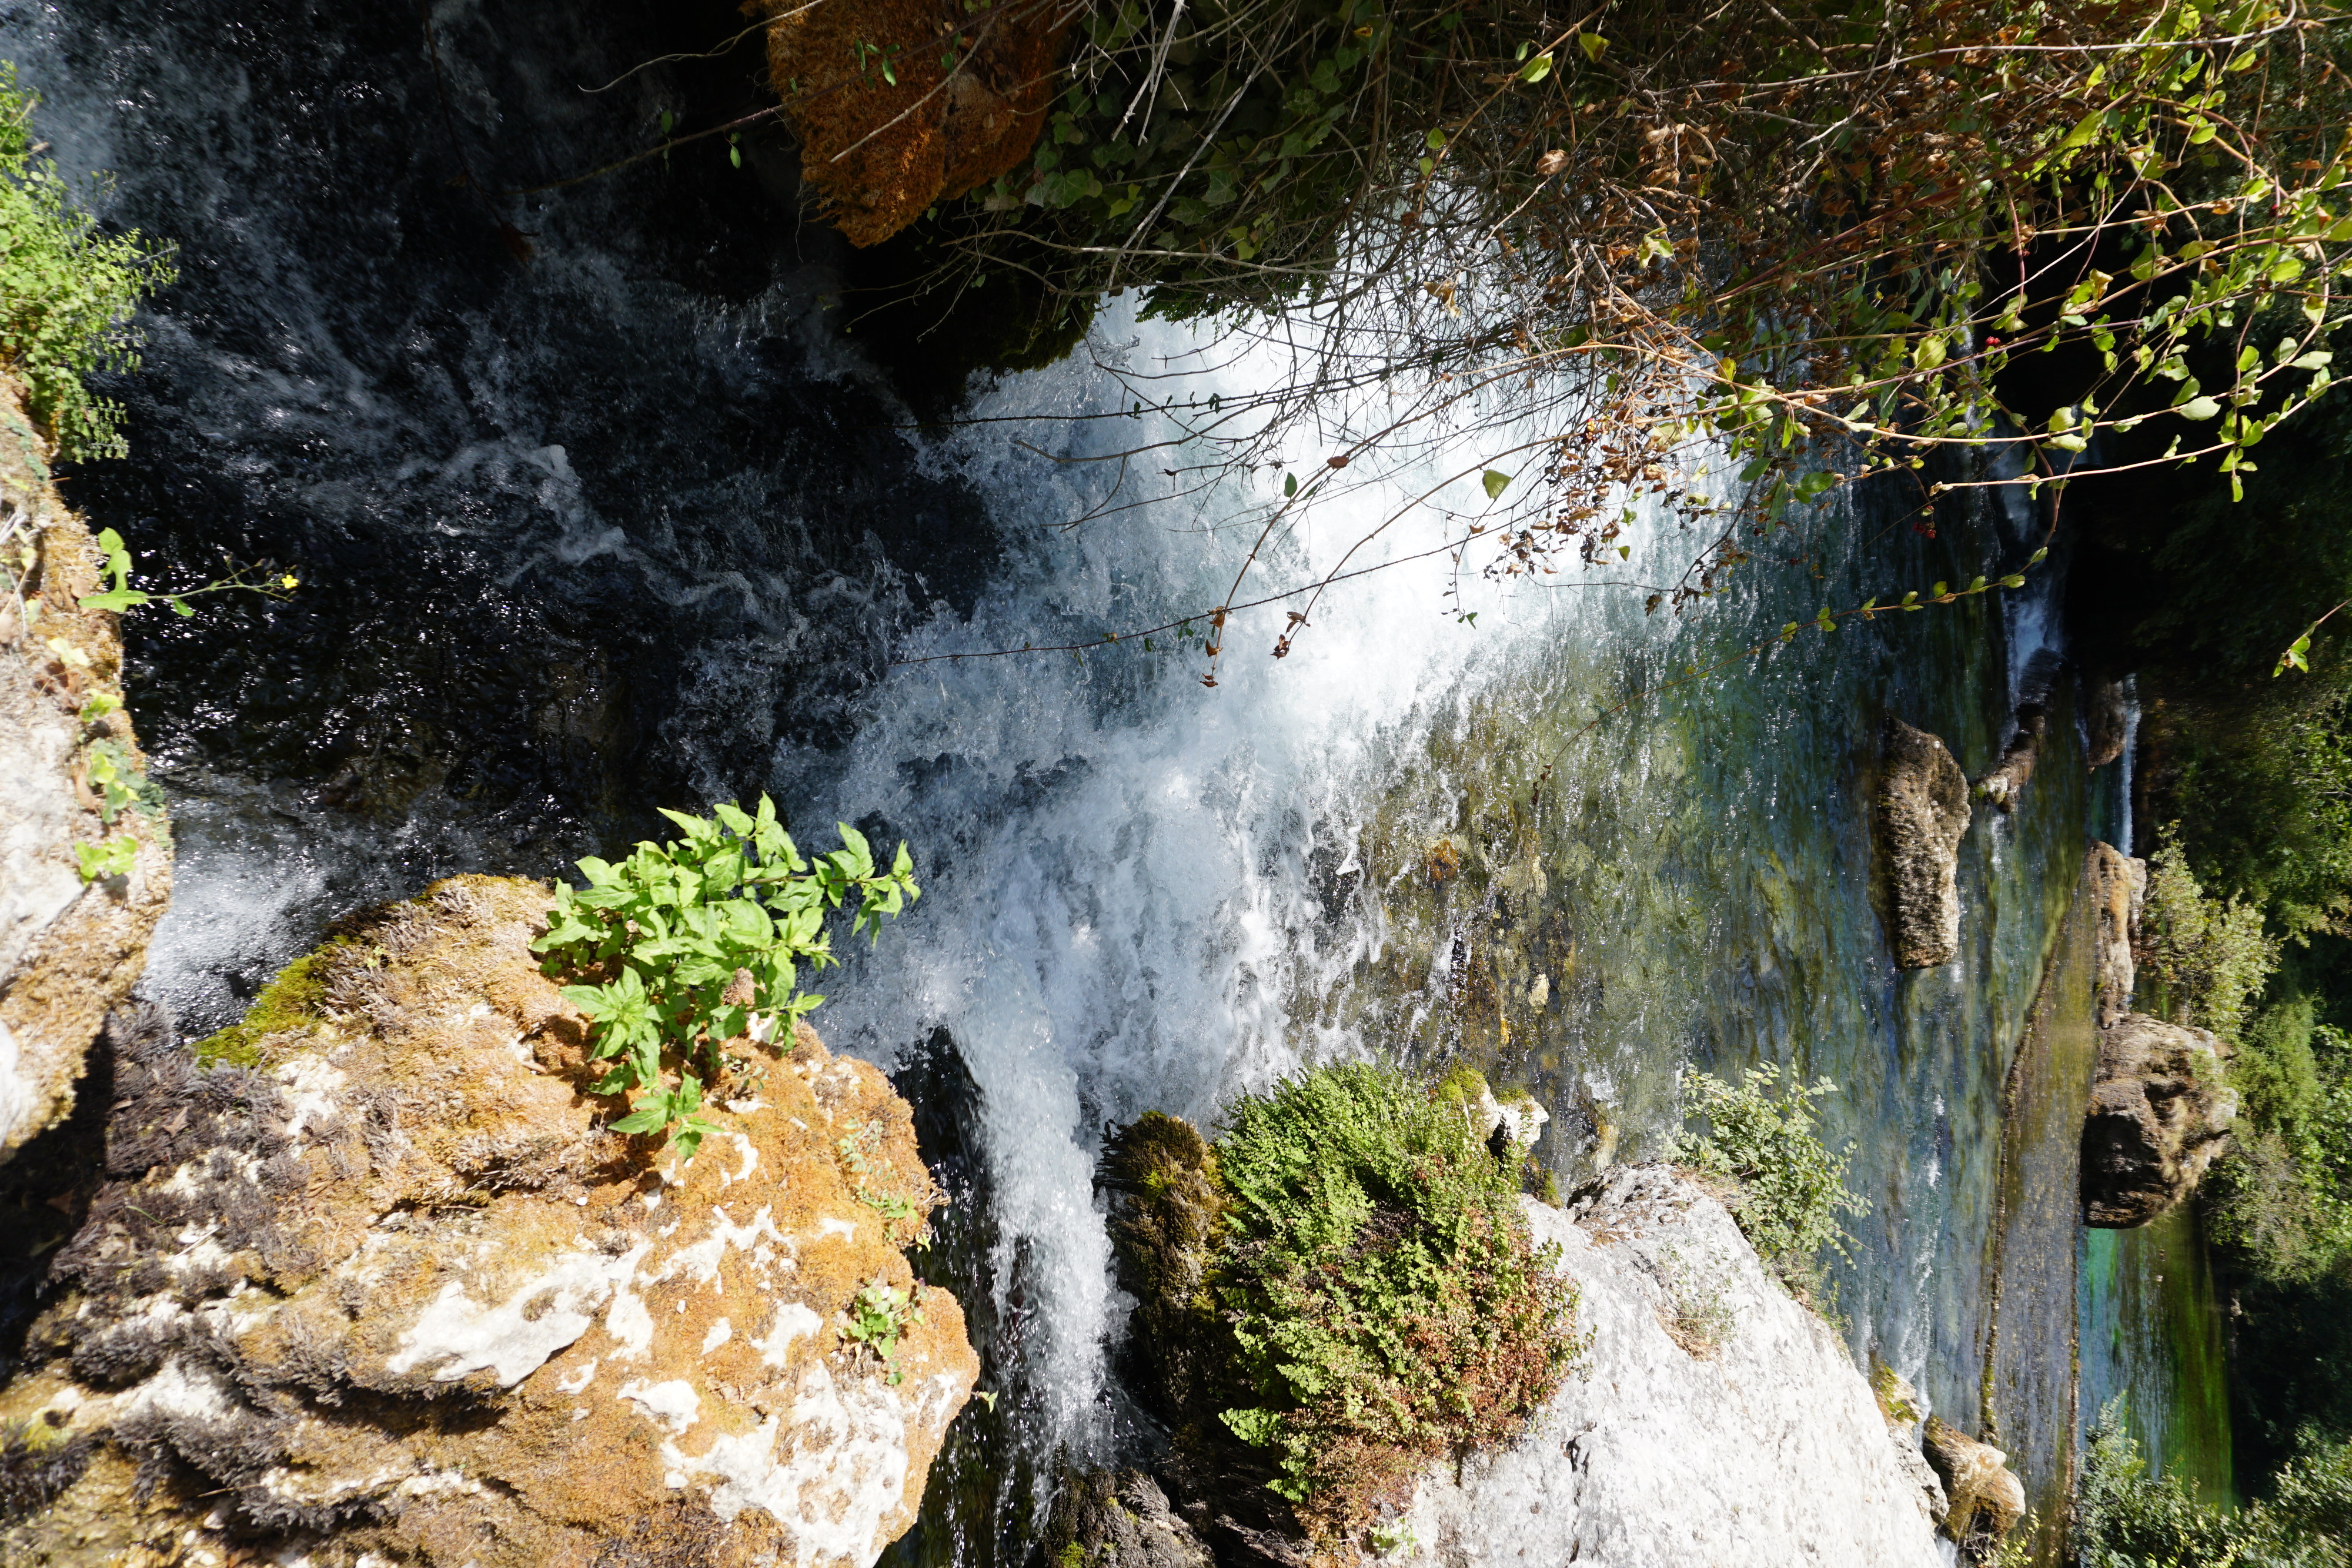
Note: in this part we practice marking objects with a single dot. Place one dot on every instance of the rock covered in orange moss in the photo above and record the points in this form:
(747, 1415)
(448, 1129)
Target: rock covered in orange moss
(901, 103)
(393, 1289)
(70, 949)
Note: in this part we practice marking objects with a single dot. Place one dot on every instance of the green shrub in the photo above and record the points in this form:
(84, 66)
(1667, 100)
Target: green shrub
(697, 942)
(1790, 1188)
(2126, 1518)
(2280, 1200)
(2201, 960)
(67, 290)
(1362, 1290)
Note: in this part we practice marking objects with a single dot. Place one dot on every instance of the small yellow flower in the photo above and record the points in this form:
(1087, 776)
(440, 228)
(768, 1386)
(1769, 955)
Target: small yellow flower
(291, 580)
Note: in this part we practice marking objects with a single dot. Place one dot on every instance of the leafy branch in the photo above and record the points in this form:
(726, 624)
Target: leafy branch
(122, 597)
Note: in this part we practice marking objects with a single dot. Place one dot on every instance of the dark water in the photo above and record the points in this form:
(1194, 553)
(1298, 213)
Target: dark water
(632, 524)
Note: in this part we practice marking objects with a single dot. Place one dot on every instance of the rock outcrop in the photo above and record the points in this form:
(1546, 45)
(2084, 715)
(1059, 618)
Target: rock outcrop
(886, 127)
(71, 945)
(1923, 811)
(2118, 882)
(1984, 1498)
(1713, 1419)
(393, 1293)
(2106, 719)
(2009, 776)
(1119, 1519)
(2161, 1111)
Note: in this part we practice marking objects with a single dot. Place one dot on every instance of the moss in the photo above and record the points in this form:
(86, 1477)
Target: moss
(290, 1002)
(1339, 1291)
(1464, 1086)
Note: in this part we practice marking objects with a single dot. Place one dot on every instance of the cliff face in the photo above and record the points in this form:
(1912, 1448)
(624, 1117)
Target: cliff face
(71, 945)
(1923, 811)
(390, 1288)
(1714, 1420)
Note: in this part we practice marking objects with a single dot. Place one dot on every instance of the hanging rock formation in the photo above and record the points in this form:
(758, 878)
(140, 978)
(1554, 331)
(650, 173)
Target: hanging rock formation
(2106, 719)
(1923, 811)
(1748, 1437)
(70, 947)
(2160, 1111)
(1986, 1499)
(388, 1291)
(2008, 777)
(884, 128)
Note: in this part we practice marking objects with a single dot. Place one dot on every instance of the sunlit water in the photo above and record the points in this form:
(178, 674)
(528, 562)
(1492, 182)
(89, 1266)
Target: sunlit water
(629, 526)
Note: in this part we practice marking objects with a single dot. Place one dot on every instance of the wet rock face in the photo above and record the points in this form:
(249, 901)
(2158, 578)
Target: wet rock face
(1712, 1420)
(2106, 719)
(1985, 1498)
(2160, 1111)
(2118, 882)
(391, 1289)
(1119, 1519)
(70, 949)
(1923, 811)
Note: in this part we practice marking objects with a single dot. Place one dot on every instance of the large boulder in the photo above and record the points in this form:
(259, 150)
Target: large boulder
(2118, 883)
(1923, 812)
(1713, 1418)
(2161, 1111)
(390, 1290)
(73, 939)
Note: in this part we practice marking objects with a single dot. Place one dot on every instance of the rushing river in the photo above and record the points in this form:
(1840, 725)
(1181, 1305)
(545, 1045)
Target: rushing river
(630, 522)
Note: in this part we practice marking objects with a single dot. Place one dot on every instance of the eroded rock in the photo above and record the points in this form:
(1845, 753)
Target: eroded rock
(70, 948)
(1119, 1519)
(2118, 882)
(1985, 1498)
(1900, 1405)
(1766, 1450)
(1923, 811)
(2161, 1111)
(2009, 776)
(2107, 718)
(393, 1289)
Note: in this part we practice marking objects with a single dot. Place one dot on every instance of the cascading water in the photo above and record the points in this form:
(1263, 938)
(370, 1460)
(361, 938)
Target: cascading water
(628, 525)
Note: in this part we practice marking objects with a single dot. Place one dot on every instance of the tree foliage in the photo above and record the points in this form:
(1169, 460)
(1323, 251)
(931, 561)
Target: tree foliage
(67, 290)
(1788, 1189)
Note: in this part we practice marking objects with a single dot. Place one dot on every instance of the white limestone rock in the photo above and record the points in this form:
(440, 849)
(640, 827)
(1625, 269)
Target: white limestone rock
(1715, 1421)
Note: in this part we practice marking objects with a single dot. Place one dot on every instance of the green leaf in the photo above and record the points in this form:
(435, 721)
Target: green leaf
(1495, 482)
(1536, 70)
(2199, 408)
(1289, 485)
(1591, 44)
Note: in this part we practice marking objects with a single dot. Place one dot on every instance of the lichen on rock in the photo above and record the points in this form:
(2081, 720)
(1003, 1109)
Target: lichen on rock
(392, 1287)
(72, 946)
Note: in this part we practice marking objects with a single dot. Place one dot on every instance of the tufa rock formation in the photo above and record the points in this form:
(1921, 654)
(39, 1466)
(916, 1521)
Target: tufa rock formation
(2161, 1111)
(2106, 719)
(2008, 777)
(1987, 1499)
(1900, 1406)
(390, 1292)
(2118, 882)
(70, 948)
(1923, 811)
(1765, 1449)
(886, 129)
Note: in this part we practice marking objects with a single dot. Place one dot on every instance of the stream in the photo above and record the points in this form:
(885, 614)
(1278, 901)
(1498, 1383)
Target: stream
(634, 522)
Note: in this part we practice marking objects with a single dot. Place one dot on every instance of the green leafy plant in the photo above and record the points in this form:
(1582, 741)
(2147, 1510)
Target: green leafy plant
(878, 1316)
(260, 579)
(1789, 1188)
(700, 941)
(111, 856)
(2125, 1517)
(68, 290)
(117, 781)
